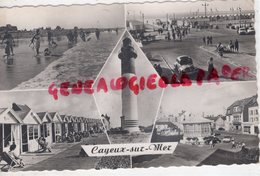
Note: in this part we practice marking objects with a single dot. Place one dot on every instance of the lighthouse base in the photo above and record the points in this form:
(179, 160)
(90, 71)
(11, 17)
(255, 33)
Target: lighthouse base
(131, 126)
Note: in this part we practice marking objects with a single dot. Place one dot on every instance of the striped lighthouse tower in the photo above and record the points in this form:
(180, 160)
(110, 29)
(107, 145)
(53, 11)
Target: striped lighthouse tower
(129, 99)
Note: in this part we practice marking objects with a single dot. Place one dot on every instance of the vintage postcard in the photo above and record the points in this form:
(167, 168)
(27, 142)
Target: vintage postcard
(128, 85)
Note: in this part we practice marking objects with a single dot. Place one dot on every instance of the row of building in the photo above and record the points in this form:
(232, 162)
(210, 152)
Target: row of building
(241, 117)
(22, 126)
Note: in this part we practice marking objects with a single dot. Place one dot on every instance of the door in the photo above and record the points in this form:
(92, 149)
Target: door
(53, 132)
(24, 138)
(7, 135)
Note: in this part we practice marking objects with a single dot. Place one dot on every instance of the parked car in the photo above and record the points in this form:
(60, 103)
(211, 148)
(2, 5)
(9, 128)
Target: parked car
(184, 65)
(221, 129)
(251, 31)
(242, 31)
(211, 138)
(227, 139)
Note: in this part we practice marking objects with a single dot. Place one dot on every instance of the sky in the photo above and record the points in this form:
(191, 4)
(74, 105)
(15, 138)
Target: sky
(85, 16)
(41, 101)
(160, 9)
(110, 103)
(210, 98)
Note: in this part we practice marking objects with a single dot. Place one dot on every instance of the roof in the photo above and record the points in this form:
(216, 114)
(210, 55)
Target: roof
(2, 110)
(170, 124)
(41, 114)
(215, 118)
(242, 103)
(195, 120)
(21, 110)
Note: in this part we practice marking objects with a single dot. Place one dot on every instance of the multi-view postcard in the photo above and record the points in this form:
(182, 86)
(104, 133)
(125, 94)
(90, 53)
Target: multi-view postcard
(124, 86)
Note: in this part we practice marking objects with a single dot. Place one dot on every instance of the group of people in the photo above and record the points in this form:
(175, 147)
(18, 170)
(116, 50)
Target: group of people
(234, 47)
(207, 40)
(177, 32)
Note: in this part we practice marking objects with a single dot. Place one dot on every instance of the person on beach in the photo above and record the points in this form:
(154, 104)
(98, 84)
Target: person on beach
(9, 41)
(49, 35)
(37, 40)
(168, 36)
(14, 155)
(236, 46)
(70, 37)
(83, 36)
(97, 32)
(210, 65)
(75, 34)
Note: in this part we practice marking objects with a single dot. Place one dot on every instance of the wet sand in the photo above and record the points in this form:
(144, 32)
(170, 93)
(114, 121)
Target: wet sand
(82, 62)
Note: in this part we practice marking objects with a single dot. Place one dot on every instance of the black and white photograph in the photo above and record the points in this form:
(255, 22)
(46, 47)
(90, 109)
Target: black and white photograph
(213, 124)
(38, 133)
(140, 85)
(130, 106)
(45, 44)
(198, 40)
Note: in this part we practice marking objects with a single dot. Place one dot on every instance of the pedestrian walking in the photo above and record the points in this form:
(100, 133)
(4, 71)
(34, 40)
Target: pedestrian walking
(236, 46)
(97, 32)
(233, 145)
(9, 41)
(204, 40)
(37, 39)
(210, 65)
(168, 36)
(211, 40)
(207, 40)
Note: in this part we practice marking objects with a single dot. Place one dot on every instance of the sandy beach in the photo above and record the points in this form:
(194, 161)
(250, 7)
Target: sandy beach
(82, 62)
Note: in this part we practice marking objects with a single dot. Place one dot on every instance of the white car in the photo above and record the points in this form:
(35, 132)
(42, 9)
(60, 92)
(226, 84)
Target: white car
(242, 31)
(251, 31)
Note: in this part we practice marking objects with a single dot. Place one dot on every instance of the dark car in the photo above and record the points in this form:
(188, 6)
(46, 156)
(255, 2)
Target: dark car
(184, 65)
(211, 138)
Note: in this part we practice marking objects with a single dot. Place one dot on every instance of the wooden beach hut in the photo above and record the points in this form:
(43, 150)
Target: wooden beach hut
(46, 126)
(30, 128)
(56, 126)
(10, 125)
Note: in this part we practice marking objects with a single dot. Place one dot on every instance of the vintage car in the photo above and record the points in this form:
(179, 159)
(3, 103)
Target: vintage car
(251, 31)
(227, 139)
(242, 31)
(184, 65)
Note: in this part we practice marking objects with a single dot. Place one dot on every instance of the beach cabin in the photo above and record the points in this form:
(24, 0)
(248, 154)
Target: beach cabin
(56, 126)
(64, 124)
(70, 123)
(46, 126)
(30, 128)
(82, 124)
(85, 120)
(10, 125)
(76, 122)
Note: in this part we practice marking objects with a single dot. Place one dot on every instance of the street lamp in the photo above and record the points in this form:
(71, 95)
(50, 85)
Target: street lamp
(205, 5)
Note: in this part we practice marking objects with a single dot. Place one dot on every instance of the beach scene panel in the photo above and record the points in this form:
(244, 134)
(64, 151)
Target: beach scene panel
(200, 39)
(56, 44)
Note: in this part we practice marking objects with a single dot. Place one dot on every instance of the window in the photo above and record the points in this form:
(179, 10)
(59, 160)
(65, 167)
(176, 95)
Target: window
(35, 131)
(30, 128)
(256, 112)
(251, 112)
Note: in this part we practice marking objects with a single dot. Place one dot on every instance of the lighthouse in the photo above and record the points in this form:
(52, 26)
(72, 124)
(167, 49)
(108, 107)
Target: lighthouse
(129, 117)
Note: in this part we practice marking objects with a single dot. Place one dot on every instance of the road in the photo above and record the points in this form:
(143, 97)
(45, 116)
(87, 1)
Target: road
(69, 159)
(165, 52)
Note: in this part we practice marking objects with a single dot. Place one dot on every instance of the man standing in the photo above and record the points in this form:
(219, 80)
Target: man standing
(210, 65)
(9, 40)
(236, 46)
